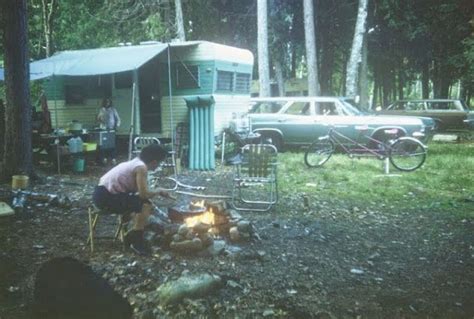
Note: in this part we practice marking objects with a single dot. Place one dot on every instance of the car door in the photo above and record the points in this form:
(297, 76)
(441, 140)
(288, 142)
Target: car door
(296, 123)
(331, 114)
(449, 115)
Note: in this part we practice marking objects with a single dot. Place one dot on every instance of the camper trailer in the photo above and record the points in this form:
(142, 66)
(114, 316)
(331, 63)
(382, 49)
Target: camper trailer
(149, 84)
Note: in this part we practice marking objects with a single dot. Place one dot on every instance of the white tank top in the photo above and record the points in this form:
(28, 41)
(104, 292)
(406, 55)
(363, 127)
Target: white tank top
(122, 178)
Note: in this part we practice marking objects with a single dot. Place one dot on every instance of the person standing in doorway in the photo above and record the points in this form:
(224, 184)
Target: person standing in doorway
(109, 120)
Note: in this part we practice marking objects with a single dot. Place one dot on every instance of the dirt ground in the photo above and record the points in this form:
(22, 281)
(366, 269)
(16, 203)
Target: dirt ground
(332, 260)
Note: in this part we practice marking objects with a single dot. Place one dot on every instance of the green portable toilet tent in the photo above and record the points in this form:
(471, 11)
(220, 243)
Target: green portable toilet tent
(201, 132)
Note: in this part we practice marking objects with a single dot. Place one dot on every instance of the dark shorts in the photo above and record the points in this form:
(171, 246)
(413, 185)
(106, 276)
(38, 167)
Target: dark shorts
(121, 203)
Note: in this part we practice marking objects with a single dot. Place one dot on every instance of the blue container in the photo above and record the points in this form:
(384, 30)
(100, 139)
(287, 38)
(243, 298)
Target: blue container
(79, 165)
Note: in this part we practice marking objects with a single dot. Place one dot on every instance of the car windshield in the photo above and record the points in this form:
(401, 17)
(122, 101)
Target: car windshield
(351, 109)
(267, 106)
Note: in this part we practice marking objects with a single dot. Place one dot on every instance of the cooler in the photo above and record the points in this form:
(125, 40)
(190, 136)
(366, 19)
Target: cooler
(103, 139)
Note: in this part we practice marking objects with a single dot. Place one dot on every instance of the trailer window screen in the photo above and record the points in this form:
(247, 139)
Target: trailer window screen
(225, 81)
(187, 76)
(242, 82)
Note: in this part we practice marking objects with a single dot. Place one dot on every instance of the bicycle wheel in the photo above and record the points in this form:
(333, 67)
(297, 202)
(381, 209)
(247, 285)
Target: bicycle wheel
(318, 153)
(407, 154)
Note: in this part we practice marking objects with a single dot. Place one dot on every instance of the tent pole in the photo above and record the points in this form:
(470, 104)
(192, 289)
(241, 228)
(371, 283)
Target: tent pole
(130, 138)
(170, 93)
(56, 141)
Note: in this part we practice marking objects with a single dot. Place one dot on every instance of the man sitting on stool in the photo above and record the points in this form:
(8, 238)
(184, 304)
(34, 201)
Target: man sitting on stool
(118, 188)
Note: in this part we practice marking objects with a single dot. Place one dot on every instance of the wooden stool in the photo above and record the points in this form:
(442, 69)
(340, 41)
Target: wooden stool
(94, 213)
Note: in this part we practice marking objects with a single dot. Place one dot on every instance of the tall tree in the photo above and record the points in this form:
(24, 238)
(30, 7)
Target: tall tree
(364, 81)
(263, 64)
(356, 50)
(310, 41)
(17, 155)
(49, 12)
(179, 20)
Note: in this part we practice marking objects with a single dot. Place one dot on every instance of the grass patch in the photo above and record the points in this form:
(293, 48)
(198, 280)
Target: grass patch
(444, 182)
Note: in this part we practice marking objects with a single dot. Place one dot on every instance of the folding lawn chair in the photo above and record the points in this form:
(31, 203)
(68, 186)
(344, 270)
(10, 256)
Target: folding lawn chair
(255, 184)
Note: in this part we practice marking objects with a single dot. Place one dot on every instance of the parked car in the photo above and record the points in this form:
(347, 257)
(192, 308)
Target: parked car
(450, 115)
(300, 120)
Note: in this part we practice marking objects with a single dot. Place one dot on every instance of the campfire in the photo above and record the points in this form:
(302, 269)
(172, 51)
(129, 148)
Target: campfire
(204, 222)
(206, 218)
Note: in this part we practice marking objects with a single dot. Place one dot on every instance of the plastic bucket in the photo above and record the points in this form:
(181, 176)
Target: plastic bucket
(78, 166)
(20, 181)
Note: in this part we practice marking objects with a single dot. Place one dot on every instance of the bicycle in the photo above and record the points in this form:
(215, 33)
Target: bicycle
(405, 153)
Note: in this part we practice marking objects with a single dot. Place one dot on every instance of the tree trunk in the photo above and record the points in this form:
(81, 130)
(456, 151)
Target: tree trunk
(263, 63)
(293, 61)
(179, 21)
(425, 81)
(48, 14)
(364, 82)
(311, 55)
(326, 65)
(356, 51)
(401, 84)
(17, 147)
(279, 77)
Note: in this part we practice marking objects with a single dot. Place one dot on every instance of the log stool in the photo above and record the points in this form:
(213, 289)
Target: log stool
(94, 214)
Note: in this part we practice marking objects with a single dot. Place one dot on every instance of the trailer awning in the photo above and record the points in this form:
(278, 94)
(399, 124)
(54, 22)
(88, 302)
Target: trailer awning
(94, 61)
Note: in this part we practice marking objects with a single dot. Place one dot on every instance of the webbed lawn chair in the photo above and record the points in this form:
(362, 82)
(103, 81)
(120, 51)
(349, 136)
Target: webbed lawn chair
(255, 186)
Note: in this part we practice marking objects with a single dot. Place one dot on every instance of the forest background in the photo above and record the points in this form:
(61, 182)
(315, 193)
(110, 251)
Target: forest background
(415, 49)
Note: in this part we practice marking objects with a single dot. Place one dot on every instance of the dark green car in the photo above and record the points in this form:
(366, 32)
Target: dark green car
(450, 115)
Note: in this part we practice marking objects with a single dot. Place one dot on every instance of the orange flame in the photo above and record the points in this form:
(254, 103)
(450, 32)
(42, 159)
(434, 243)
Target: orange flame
(205, 218)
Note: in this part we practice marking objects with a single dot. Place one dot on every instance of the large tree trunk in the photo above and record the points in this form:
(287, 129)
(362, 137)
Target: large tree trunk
(311, 55)
(263, 64)
(17, 147)
(364, 82)
(49, 9)
(326, 65)
(280, 78)
(356, 51)
(179, 21)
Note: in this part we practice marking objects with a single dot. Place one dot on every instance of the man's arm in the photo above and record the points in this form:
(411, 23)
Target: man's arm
(142, 183)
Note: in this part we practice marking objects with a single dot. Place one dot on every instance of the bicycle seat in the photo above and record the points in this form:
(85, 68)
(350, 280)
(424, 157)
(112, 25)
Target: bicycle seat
(391, 131)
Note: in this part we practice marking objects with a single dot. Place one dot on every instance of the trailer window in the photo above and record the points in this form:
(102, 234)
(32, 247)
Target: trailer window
(242, 82)
(225, 81)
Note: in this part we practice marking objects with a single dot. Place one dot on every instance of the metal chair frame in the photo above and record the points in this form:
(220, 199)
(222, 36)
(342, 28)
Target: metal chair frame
(258, 167)
(139, 143)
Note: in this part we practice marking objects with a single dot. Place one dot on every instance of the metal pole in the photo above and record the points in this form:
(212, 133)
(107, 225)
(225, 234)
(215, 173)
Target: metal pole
(223, 148)
(170, 92)
(130, 138)
(56, 141)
